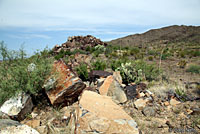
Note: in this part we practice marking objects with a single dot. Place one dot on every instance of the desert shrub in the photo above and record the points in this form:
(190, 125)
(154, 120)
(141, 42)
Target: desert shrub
(82, 71)
(150, 58)
(134, 50)
(153, 52)
(150, 71)
(165, 56)
(194, 69)
(195, 53)
(21, 74)
(182, 63)
(99, 65)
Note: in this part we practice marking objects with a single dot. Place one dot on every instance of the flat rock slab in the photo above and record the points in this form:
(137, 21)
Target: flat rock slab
(99, 113)
(14, 127)
(64, 84)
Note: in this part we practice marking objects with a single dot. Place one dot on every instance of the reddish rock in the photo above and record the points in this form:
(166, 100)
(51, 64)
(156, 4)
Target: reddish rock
(100, 114)
(64, 85)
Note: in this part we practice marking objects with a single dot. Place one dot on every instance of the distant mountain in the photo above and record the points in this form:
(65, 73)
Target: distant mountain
(168, 34)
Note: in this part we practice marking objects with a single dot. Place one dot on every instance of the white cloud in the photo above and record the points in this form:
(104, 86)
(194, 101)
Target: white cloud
(65, 14)
(28, 36)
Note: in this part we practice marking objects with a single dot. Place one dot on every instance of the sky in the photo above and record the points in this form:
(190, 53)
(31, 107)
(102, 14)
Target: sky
(37, 24)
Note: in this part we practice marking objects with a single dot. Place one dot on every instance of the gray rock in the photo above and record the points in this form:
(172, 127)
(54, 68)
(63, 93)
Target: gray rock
(149, 111)
(13, 127)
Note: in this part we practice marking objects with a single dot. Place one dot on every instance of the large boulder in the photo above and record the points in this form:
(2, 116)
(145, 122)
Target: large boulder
(14, 127)
(17, 107)
(63, 86)
(100, 114)
(111, 87)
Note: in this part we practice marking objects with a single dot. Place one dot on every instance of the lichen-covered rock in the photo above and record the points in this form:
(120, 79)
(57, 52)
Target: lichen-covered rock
(63, 86)
(18, 107)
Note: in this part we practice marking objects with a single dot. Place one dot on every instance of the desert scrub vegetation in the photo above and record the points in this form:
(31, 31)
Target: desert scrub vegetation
(21, 74)
(82, 71)
(136, 71)
(193, 69)
(99, 65)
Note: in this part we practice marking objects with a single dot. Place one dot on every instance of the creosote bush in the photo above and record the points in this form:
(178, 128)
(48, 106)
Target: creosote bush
(21, 74)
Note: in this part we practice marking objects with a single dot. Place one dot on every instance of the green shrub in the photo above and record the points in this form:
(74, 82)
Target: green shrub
(194, 69)
(150, 71)
(195, 53)
(165, 56)
(150, 58)
(82, 71)
(99, 65)
(21, 74)
(152, 52)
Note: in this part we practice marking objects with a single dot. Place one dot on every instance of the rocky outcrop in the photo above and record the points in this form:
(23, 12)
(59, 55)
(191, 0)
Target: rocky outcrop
(18, 107)
(101, 115)
(63, 86)
(78, 42)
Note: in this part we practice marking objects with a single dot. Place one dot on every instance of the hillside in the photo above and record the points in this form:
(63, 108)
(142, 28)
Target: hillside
(168, 34)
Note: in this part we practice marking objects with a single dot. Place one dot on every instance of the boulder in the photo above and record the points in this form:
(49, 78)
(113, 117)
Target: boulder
(18, 107)
(63, 86)
(112, 87)
(99, 114)
(14, 127)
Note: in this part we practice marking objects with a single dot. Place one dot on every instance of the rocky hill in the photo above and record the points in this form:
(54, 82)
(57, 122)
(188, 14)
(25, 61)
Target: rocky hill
(168, 34)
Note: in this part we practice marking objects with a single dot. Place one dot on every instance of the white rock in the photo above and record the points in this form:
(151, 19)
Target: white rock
(15, 105)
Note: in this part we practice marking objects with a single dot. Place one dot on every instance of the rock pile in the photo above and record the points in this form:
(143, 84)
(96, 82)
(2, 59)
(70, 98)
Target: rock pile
(79, 42)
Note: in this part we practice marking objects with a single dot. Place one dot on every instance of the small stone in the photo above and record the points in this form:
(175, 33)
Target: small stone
(142, 94)
(174, 102)
(149, 111)
(189, 111)
(140, 103)
(166, 103)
